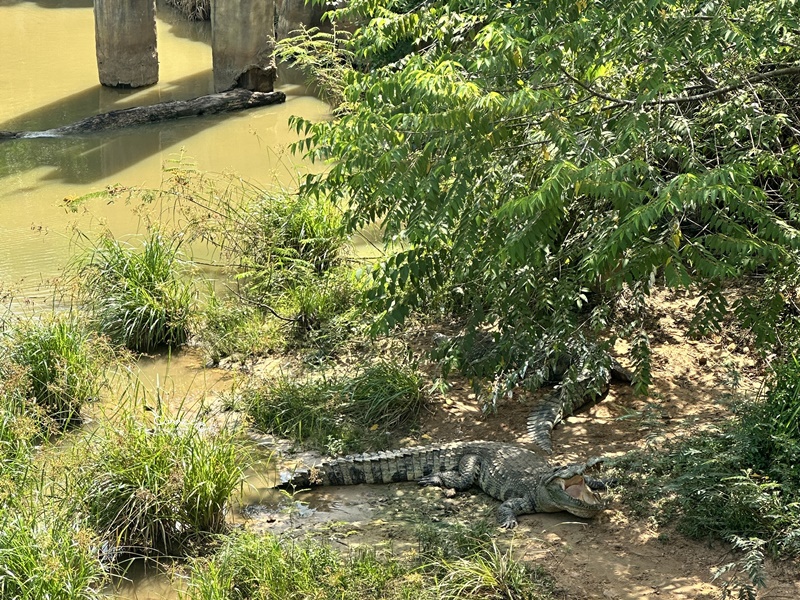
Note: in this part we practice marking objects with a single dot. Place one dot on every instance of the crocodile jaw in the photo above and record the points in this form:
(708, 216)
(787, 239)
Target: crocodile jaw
(571, 495)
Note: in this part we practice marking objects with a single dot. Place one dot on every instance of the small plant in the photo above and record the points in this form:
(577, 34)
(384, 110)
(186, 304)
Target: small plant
(228, 327)
(45, 553)
(61, 362)
(341, 414)
(137, 298)
(492, 573)
(162, 486)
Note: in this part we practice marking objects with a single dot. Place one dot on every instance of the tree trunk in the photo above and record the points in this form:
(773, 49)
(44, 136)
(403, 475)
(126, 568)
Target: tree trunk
(237, 99)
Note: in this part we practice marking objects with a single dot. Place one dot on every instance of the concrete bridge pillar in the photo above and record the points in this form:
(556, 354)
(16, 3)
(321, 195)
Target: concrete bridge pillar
(294, 14)
(125, 34)
(242, 41)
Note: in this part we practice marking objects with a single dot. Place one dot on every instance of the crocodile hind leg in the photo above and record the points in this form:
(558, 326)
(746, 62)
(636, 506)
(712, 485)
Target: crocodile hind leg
(462, 479)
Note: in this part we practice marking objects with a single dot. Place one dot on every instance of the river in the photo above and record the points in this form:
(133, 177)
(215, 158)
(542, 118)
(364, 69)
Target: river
(48, 78)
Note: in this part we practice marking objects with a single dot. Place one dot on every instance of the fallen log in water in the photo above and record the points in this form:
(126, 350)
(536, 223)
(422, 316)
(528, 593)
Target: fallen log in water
(236, 99)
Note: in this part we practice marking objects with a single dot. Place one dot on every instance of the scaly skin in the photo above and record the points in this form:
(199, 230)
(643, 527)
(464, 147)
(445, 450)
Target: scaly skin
(562, 401)
(521, 479)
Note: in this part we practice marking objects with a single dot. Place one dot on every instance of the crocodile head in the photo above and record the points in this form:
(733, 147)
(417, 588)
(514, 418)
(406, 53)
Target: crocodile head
(566, 489)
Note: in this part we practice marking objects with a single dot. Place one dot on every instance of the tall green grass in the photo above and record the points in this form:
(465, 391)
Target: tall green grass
(248, 566)
(138, 297)
(161, 486)
(21, 424)
(338, 414)
(57, 363)
(46, 553)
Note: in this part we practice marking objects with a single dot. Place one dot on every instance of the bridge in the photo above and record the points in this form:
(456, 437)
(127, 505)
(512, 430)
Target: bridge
(242, 40)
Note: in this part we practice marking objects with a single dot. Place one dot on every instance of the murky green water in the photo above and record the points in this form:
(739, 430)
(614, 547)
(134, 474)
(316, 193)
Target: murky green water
(48, 78)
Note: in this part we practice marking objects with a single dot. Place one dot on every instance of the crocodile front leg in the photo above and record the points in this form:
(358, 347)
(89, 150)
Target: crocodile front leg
(460, 480)
(508, 511)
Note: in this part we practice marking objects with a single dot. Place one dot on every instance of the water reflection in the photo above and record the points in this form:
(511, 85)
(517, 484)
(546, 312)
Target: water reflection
(48, 77)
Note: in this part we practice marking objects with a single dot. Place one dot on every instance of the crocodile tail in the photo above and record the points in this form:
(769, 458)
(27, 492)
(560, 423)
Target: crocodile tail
(565, 399)
(543, 418)
(408, 464)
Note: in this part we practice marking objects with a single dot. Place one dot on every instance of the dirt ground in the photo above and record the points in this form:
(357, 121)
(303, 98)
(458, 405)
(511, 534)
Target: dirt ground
(613, 556)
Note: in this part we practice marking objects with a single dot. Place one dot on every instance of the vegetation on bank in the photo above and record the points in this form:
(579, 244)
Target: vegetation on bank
(546, 166)
(339, 414)
(739, 483)
(47, 552)
(54, 365)
(161, 486)
(263, 566)
(138, 297)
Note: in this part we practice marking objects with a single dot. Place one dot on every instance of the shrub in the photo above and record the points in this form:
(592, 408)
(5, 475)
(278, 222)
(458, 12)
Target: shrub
(738, 483)
(45, 553)
(58, 364)
(338, 413)
(162, 486)
(138, 298)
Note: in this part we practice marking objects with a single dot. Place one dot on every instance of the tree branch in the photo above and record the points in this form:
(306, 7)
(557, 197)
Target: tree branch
(617, 102)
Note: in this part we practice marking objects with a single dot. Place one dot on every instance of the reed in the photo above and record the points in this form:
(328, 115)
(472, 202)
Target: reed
(138, 297)
(57, 363)
(160, 487)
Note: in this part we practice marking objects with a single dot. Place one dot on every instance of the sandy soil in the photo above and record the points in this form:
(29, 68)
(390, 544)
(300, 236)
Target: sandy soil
(613, 556)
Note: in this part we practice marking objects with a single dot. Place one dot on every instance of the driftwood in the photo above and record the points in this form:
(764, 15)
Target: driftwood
(236, 99)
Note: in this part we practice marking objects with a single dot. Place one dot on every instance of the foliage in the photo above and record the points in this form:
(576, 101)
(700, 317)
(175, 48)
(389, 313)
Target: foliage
(57, 363)
(741, 483)
(538, 162)
(160, 486)
(229, 326)
(322, 57)
(341, 414)
(137, 297)
(45, 553)
(264, 567)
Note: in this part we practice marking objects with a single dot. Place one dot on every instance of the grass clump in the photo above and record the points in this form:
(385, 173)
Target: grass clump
(339, 414)
(740, 483)
(160, 487)
(22, 423)
(251, 566)
(137, 296)
(57, 364)
(45, 553)
(229, 326)
(248, 566)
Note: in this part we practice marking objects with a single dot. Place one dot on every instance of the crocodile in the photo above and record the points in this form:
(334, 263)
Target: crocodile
(570, 395)
(581, 375)
(520, 478)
